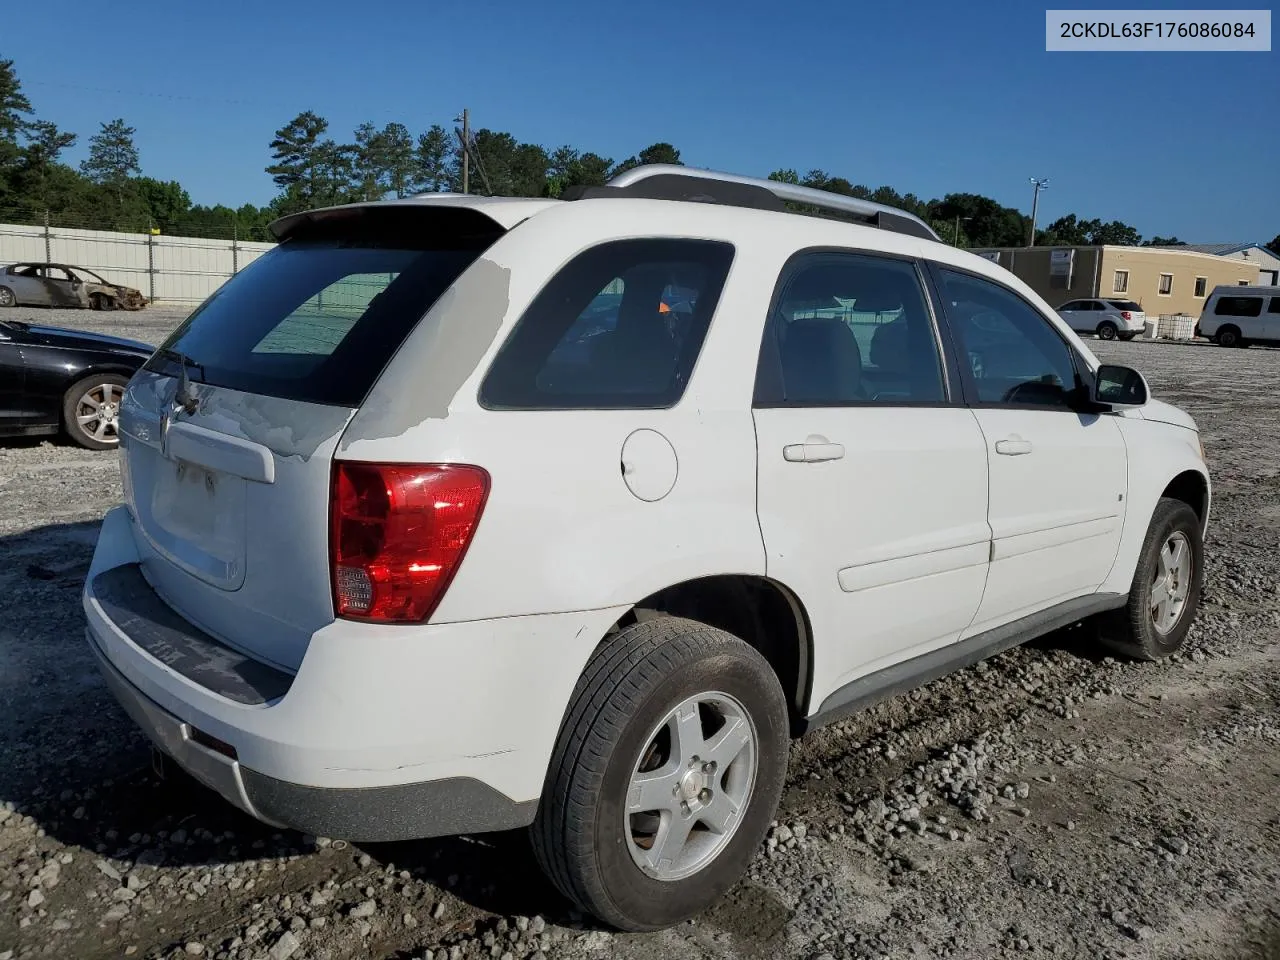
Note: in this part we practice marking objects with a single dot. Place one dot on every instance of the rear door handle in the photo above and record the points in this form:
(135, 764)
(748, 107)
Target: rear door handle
(1013, 446)
(813, 450)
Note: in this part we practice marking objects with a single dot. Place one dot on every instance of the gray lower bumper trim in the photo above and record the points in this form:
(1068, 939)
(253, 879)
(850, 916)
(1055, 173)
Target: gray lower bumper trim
(408, 811)
(138, 612)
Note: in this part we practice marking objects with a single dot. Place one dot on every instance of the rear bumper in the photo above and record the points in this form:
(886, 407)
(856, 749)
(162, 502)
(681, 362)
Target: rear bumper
(368, 814)
(384, 733)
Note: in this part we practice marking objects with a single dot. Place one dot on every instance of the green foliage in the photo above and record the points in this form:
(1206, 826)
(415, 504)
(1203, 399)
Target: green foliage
(1164, 242)
(1068, 231)
(1274, 245)
(113, 158)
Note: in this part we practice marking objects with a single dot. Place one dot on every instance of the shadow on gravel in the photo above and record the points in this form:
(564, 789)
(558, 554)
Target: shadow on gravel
(72, 761)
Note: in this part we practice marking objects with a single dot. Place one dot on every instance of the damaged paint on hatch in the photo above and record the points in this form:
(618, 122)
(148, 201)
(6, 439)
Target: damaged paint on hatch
(430, 368)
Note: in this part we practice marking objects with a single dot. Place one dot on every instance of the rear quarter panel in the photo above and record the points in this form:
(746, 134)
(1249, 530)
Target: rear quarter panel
(51, 371)
(561, 531)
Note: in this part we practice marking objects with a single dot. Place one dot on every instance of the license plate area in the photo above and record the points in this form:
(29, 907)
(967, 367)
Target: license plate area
(196, 518)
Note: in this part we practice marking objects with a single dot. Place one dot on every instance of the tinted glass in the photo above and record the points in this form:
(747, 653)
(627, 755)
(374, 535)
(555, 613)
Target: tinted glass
(1275, 305)
(850, 329)
(1013, 353)
(620, 326)
(314, 320)
(1238, 307)
(1124, 305)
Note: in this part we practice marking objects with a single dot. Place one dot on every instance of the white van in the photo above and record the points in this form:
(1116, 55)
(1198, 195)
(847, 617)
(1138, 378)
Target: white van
(1240, 316)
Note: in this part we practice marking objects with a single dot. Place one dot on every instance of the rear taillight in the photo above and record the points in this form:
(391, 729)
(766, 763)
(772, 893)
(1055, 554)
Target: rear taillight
(398, 534)
(1126, 314)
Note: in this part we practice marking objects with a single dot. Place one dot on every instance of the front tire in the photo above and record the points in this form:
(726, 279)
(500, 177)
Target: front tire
(1165, 593)
(665, 775)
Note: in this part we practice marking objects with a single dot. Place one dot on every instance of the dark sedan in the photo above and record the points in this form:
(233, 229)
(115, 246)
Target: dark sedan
(53, 379)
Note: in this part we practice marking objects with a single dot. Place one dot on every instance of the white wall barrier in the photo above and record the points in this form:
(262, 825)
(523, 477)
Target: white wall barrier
(176, 270)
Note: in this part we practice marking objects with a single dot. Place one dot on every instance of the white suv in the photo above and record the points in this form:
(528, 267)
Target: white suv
(1109, 319)
(457, 514)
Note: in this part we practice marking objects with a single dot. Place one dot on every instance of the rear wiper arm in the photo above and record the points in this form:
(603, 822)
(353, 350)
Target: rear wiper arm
(183, 397)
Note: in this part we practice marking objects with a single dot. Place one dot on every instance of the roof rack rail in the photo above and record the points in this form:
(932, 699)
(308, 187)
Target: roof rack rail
(661, 181)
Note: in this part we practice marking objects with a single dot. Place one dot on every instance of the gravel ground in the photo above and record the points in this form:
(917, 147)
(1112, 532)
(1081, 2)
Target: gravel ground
(1050, 802)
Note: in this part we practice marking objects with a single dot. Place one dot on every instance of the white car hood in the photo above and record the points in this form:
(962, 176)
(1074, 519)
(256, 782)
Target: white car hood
(1162, 412)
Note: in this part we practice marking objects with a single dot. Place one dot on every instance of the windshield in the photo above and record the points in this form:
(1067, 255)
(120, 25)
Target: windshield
(314, 321)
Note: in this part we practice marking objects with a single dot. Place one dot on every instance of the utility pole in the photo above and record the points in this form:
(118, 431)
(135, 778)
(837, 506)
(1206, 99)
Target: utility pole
(466, 149)
(955, 237)
(1041, 183)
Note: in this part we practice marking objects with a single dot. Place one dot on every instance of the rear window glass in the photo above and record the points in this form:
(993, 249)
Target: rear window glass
(317, 319)
(1238, 307)
(1124, 305)
(620, 326)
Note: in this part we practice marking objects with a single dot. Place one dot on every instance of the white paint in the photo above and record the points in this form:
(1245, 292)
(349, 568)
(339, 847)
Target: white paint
(649, 465)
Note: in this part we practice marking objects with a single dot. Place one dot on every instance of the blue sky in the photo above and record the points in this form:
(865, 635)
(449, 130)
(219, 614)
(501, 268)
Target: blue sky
(928, 97)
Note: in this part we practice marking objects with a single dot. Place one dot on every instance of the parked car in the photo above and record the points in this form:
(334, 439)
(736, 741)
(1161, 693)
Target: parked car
(52, 379)
(1240, 316)
(1107, 318)
(430, 574)
(60, 285)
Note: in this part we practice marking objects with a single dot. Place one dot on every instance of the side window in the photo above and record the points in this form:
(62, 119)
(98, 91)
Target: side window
(1238, 307)
(849, 329)
(1013, 353)
(1275, 305)
(1073, 305)
(619, 327)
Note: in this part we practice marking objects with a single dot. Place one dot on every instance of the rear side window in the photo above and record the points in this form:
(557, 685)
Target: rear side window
(1238, 307)
(1124, 305)
(849, 329)
(619, 327)
(1275, 305)
(316, 319)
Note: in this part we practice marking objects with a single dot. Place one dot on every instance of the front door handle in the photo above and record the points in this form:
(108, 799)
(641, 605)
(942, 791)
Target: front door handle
(813, 450)
(1013, 446)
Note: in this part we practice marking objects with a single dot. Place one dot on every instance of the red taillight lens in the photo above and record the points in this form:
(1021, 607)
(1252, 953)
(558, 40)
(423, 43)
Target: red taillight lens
(399, 532)
(1126, 314)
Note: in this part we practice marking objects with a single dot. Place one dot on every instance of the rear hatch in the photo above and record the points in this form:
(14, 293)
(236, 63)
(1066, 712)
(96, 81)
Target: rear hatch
(228, 432)
(1132, 312)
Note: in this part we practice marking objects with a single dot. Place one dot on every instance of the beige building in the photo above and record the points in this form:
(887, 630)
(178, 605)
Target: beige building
(1162, 280)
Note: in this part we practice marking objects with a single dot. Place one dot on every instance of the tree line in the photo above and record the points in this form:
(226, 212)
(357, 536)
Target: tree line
(311, 168)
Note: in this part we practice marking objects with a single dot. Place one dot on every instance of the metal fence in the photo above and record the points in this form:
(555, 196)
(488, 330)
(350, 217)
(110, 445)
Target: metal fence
(167, 269)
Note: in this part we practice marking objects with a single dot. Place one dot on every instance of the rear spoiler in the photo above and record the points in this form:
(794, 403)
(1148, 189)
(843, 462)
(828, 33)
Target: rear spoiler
(407, 225)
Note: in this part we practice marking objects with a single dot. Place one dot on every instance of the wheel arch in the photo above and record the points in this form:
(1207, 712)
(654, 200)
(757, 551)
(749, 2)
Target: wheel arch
(1192, 488)
(760, 611)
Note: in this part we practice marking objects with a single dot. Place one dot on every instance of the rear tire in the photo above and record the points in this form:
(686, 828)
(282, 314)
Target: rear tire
(1229, 336)
(91, 411)
(1165, 593)
(643, 727)
(7, 298)
(1107, 330)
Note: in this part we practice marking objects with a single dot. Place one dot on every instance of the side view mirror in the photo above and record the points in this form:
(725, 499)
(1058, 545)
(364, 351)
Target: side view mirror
(1119, 387)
